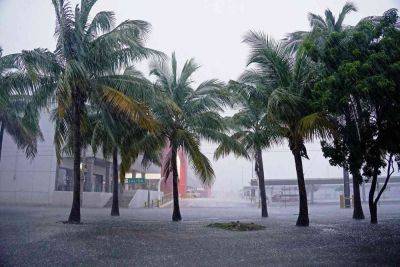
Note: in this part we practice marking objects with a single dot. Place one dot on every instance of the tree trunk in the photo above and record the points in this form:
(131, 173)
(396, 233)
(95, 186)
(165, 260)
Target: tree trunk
(302, 220)
(353, 141)
(358, 213)
(259, 168)
(371, 204)
(75, 214)
(115, 205)
(1, 137)
(176, 215)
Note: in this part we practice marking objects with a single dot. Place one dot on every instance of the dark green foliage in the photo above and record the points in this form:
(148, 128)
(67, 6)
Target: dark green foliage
(360, 89)
(320, 27)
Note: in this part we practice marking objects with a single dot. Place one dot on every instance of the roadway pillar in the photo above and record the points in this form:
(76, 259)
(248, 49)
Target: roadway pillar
(90, 176)
(312, 193)
(346, 188)
(364, 199)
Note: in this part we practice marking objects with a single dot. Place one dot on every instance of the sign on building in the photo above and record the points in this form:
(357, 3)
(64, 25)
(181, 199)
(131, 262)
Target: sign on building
(136, 180)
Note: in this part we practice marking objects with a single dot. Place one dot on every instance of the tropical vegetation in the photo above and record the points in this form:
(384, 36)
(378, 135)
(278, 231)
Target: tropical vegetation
(15, 119)
(83, 69)
(250, 128)
(334, 83)
(186, 115)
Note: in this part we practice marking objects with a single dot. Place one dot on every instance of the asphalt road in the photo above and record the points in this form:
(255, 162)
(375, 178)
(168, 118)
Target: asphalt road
(33, 236)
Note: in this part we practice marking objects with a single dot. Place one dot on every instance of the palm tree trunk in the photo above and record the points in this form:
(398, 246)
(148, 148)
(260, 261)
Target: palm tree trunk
(176, 215)
(1, 137)
(372, 205)
(358, 213)
(75, 214)
(302, 219)
(115, 205)
(259, 168)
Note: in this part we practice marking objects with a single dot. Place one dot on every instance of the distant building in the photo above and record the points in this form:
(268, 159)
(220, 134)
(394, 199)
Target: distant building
(44, 181)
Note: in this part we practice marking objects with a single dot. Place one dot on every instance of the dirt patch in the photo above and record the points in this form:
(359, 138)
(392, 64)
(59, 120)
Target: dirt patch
(237, 226)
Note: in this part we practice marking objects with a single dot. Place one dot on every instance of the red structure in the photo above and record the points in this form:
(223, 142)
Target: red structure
(166, 182)
(183, 170)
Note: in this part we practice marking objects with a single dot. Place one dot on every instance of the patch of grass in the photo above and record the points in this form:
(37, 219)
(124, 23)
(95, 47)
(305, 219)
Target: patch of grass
(237, 226)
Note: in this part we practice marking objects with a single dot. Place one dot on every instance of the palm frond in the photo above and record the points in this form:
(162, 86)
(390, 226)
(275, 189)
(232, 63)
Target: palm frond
(269, 57)
(200, 162)
(293, 40)
(347, 8)
(315, 125)
(103, 22)
(136, 111)
(317, 22)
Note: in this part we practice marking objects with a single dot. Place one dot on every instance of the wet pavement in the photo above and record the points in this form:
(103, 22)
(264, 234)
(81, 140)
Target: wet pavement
(32, 236)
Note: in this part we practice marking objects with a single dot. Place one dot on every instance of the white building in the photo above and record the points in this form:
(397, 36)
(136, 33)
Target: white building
(43, 181)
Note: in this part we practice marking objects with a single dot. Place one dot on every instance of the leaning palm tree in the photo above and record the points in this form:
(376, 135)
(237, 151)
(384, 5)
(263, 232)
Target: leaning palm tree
(320, 27)
(186, 115)
(82, 70)
(251, 129)
(21, 124)
(117, 136)
(291, 75)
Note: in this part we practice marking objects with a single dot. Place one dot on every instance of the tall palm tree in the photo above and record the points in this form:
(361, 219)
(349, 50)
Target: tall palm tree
(291, 75)
(251, 129)
(21, 124)
(186, 115)
(320, 26)
(81, 70)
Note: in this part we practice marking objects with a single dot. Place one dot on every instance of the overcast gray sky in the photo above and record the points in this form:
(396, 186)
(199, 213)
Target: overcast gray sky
(208, 30)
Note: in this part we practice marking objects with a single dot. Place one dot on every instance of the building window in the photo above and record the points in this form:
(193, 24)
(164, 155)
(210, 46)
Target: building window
(64, 180)
(95, 174)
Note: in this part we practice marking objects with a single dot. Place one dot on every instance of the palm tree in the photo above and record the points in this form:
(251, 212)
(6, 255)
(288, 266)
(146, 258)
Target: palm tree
(186, 115)
(82, 70)
(291, 75)
(320, 27)
(250, 129)
(21, 124)
(117, 136)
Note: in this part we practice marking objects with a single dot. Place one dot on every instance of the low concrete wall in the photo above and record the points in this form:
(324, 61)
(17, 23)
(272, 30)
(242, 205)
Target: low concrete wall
(90, 199)
(141, 196)
(24, 197)
(64, 198)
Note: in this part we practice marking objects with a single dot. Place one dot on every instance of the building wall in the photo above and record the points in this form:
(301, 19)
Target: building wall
(142, 196)
(24, 180)
(33, 181)
(89, 199)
